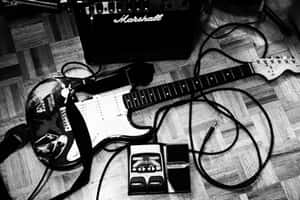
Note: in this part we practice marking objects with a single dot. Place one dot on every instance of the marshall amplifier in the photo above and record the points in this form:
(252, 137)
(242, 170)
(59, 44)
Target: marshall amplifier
(136, 30)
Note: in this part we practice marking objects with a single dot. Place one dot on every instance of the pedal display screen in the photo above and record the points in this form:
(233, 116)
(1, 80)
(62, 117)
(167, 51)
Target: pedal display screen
(146, 162)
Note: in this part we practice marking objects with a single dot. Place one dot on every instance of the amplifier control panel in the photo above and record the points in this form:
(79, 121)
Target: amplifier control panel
(111, 7)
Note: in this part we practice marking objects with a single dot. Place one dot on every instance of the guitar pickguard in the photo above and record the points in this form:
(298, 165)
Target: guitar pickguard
(105, 116)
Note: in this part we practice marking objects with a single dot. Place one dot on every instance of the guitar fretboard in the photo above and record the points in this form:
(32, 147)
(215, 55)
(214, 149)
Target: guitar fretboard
(147, 97)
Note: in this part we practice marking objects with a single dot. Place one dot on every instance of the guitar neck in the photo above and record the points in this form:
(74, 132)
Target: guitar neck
(143, 98)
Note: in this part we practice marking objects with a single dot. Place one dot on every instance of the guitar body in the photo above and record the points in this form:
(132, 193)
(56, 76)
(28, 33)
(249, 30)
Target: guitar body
(104, 114)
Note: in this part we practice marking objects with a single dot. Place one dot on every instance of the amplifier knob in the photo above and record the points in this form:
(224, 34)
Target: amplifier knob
(87, 10)
(117, 7)
(129, 5)
(111, 7)
(99, 7)
(95, 11)
(146, 5)
(105, 7)
(138, 5)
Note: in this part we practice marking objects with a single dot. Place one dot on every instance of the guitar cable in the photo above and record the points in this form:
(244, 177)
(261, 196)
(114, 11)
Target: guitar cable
(220, 108)
(161, 113)
(64, 69)
(44, 179)
(116, 152)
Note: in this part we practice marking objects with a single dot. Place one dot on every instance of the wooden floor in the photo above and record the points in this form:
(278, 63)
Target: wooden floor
(32, 48)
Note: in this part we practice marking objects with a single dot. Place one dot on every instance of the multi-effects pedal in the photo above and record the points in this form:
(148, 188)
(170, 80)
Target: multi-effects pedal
(158, 169)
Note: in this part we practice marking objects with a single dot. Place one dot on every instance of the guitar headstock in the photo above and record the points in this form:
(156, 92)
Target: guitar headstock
(271, 68)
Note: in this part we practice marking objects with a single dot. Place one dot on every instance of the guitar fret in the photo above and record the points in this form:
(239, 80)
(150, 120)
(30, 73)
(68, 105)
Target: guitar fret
(161, 92)
(224, 76)
(156, 98)
(228, 75)
(156, 92)
(192, 83)
(131, 100)
(187, 86)
(167, 91)
(182, 87)
(247, 71)
(238, 72)
(220, 78)
(233, 76)
(135, 101)
(171, 89)
(127, 101)
(241, 71)
(197, 83)
(178, 88)
(216, 80)
(204, 82)
(212, 80)
(175, 90)
(139, 98)
(144, 96)
(151, 95)
(146, 91)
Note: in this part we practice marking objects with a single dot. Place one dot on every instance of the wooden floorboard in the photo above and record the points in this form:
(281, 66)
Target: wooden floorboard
(32, 48)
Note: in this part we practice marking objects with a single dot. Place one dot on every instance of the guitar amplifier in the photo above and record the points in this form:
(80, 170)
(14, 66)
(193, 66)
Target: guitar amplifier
(136, 30)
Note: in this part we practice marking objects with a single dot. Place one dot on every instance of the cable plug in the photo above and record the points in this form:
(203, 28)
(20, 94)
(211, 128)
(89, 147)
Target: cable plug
(211, 130)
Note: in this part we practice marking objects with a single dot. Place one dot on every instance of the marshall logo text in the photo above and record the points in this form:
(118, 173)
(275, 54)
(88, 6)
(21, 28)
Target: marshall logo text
(126, 19)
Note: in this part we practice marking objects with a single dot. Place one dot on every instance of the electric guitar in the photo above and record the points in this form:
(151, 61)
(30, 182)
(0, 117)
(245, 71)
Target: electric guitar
(105, 114)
